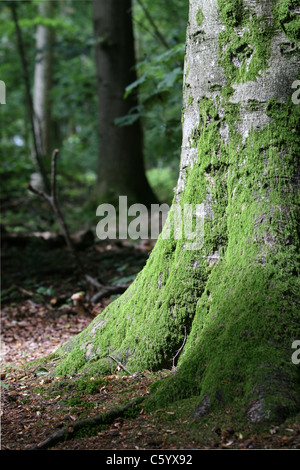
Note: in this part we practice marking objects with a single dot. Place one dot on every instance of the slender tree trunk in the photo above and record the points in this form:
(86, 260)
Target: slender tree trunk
(42, 175)
(43, 80)
(121, 166)
(237, 297)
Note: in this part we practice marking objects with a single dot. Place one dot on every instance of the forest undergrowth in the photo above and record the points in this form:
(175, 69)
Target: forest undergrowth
(38, 315)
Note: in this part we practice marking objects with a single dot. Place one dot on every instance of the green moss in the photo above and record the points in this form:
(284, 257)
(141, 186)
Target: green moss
(286, 13)
(232, 12)
(190, 100)
(244, 56)
(88, 384)
(239, 345)
(89, 431)
(199, 17)
(188, 68)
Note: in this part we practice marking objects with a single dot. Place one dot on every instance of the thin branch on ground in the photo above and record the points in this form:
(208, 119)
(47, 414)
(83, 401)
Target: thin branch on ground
(179, 350)
(119, 364)
(69, 432)
(104, 291)
(51, 199)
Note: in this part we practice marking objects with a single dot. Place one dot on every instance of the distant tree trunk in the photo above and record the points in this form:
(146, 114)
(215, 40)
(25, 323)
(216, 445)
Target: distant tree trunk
(237, 294)
(43, 81)
(40, 178)
(121, 165)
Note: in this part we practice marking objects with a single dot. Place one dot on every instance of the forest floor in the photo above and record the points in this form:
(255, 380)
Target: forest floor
(38, 316)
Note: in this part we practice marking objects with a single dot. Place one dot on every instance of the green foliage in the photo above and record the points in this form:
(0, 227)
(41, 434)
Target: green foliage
(163, 179)
(89, 386)
(74, 105)
(160, 72)
(160, 89)
(73, 97)
(132, 412)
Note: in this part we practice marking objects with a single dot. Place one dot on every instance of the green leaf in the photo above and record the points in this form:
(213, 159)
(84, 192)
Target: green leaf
(170, 78)
(134, 85)
(2, 384)
(42, 371)
(46, 291)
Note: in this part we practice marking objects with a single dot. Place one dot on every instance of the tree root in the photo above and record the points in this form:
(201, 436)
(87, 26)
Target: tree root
(70, 432)
(105, 290)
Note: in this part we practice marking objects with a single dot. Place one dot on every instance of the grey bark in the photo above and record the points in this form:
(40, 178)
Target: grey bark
(202, 72)
(43, 80)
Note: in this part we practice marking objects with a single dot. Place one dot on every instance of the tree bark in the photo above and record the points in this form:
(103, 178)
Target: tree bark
(237, 297)
(43, 81)
(42, 175)
(121, 166)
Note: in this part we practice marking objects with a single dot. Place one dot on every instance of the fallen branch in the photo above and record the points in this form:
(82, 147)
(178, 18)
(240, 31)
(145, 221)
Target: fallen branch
(70, 432)
(119, 364)
(173, 365)
(52, 201)
(104, 290)
(80, 239)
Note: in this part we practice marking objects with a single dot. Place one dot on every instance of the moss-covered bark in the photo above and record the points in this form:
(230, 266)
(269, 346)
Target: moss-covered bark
(238, 296)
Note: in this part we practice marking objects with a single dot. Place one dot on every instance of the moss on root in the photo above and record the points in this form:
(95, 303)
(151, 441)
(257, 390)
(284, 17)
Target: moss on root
(239, 347)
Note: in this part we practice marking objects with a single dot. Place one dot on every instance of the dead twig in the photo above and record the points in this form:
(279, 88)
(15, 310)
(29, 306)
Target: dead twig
(119, 364)
(173, 360)
(52, 201)
(104, 290)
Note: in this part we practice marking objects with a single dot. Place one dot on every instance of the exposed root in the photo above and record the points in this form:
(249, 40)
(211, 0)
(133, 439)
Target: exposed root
(70, 432)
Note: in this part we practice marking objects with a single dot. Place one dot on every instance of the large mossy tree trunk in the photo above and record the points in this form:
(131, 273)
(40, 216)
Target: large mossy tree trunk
(121, 162)
(238, 296)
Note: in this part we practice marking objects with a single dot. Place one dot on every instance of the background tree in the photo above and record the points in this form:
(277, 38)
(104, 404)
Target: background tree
(74, 105)
(238, 296)
(121, 163)
(43, 80)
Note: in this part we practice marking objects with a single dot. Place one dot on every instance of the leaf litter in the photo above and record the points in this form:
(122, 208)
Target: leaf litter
(38, 319)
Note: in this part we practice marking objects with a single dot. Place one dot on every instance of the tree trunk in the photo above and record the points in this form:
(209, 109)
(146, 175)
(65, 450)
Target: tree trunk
(238, 295)
(121, 165)
(43, 81)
